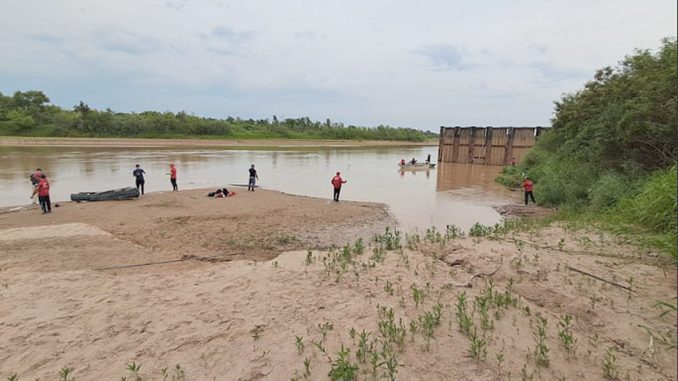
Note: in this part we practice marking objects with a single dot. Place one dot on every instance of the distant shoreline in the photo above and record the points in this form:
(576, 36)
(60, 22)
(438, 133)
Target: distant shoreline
(145, 142)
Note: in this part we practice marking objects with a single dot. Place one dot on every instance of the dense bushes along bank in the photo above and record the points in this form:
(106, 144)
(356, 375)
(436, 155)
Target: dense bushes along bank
(30, 114)
(611, 154)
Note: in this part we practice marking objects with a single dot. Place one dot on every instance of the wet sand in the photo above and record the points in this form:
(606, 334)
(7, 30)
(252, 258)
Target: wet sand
(224, 286)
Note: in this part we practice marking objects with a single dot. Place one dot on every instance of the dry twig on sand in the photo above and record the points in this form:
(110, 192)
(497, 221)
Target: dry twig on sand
(477, 275)
(600, 279)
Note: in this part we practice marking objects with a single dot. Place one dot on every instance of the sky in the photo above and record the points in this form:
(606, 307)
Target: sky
(419, 64)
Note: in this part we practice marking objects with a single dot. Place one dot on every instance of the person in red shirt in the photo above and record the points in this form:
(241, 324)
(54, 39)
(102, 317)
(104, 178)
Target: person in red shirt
(173, 177)
(337, 181)
(43, 194)
(528, 185)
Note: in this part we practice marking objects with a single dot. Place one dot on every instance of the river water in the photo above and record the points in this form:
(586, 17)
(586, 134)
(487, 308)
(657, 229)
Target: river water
(459, 194)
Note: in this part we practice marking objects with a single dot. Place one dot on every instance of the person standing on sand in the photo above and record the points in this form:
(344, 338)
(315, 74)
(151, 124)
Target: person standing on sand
(138, 173)
(253, 179)
(43, 194)
(173, 177)
(336, 182)
(528, 185)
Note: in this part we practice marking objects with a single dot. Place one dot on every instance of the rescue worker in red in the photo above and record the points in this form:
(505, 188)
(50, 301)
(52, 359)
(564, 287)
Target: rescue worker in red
(528, 185)
(173, 177)
(43, 194)
(337, 181)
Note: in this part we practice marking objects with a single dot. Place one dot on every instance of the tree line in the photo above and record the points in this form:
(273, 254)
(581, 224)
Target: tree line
(29, 113)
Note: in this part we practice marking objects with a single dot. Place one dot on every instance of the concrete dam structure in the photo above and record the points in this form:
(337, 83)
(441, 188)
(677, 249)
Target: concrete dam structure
(485, 145)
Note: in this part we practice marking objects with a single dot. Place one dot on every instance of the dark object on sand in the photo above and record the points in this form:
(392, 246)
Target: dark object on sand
(223, 191)
(115, 194)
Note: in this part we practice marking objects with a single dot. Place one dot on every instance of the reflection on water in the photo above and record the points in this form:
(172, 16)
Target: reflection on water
(459, 194)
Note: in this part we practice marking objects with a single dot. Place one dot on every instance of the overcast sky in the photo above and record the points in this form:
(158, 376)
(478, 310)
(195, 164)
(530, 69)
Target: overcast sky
(417, 64)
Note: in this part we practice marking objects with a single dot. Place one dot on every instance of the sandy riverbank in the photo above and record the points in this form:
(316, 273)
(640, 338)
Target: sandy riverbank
(229, 307)
(120, 142)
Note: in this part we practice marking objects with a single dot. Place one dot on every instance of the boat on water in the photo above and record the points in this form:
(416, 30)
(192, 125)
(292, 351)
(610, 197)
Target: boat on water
(416, 166)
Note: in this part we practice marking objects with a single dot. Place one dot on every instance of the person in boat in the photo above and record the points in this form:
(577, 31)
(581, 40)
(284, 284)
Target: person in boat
(138, 173)
(428, 159)
(413, 161)
(402, 161)
(336, 182)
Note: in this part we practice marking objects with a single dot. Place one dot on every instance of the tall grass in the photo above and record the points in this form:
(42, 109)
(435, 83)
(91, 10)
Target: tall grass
(651, 213)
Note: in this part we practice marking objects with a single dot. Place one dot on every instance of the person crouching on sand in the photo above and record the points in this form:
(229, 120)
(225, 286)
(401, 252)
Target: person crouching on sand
(43, 194)
(337, 181)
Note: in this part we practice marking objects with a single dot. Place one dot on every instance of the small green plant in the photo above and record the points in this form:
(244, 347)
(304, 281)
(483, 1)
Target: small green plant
(378, 254)
(66, 374)
(358, 246)
(428, 322)
(390, 239)
(417, 295)
(393, 333)
(561, 244)
(309, 258)
(388, 288)
(666, 307)
(610, 365)
(390, 362)
(299, 344)
(500, 360)
(363, 347)
(13, 377)
(307, 368)
(567, 340)
(525, 376)
(452, 232)
(463, 319)
(342, 368)
(325, 328)
(179, 373)
(134, 369)
(541, 351)
(479, 230)
(478, 350)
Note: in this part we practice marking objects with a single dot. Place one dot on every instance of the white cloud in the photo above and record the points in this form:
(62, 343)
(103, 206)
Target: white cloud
(394, 62)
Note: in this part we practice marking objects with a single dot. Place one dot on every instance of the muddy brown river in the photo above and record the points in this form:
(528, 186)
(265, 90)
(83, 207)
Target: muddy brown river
(458, 194)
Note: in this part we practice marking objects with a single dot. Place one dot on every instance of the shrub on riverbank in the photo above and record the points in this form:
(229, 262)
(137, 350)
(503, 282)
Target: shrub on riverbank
(611, 154)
